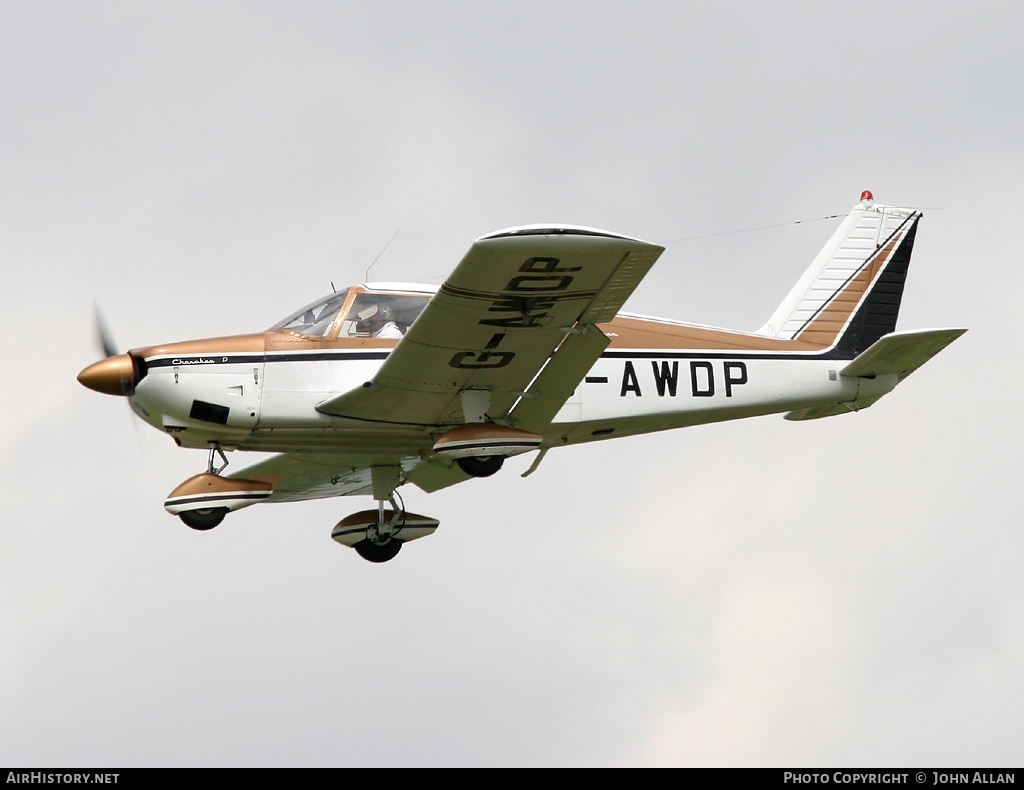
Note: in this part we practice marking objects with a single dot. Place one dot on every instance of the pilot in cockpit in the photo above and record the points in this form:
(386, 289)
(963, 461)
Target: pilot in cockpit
(379, 319)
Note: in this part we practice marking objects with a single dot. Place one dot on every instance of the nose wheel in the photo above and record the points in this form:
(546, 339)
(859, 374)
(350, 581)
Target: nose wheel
(206, 518)
(202, 501)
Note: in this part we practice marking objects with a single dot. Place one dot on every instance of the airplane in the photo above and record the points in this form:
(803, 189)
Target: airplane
(521, 349)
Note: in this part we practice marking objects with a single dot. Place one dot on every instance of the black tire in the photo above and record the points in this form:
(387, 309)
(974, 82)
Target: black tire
(480, 465)
(204, 518)
(378, 552)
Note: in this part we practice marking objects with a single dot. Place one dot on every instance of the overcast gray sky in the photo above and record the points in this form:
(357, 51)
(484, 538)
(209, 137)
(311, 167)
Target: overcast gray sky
(843, 592)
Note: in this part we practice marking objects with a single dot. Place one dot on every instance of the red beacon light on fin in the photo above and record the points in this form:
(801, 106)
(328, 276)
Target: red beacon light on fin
(866, 196)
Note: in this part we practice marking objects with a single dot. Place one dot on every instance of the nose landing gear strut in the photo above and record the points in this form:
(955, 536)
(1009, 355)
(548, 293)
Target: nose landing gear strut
(203, 501)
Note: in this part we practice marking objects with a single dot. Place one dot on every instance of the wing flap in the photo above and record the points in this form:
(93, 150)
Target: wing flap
(432, 476)
(300, 476)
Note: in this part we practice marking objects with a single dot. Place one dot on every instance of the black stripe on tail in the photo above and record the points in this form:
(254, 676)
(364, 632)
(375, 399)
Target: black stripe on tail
(876, 317)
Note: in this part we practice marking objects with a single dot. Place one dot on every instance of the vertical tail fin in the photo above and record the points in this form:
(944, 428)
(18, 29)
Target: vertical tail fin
(850, 295)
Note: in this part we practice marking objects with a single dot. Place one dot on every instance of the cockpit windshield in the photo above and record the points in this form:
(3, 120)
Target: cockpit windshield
(315, 319)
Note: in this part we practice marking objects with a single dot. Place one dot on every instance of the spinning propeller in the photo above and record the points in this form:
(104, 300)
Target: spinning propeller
(117, 374)
(107, 344)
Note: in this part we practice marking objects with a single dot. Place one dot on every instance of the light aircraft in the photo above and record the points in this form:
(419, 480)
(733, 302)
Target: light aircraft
(522, 349)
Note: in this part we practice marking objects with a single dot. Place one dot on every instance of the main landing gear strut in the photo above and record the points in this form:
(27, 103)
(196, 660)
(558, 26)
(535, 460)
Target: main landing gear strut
(378, 535)
(381, 542)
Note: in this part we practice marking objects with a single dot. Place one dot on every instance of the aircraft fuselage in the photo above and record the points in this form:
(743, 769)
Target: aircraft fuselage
(260, 392)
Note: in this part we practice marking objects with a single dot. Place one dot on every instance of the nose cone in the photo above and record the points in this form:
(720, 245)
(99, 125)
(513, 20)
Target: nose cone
(111, 376)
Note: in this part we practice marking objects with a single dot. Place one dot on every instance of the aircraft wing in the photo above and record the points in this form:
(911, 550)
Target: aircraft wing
(299, 476)
(495, 325)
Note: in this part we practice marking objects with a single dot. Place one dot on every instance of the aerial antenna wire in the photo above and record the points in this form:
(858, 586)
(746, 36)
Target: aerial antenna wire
(380, 253)
(780, 225)
(689, 238)
(759, 227)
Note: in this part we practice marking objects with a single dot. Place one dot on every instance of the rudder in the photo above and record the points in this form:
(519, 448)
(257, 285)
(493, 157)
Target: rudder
(850, 295)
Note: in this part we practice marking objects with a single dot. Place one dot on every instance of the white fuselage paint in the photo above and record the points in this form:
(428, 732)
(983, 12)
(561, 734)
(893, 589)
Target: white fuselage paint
(271, 404)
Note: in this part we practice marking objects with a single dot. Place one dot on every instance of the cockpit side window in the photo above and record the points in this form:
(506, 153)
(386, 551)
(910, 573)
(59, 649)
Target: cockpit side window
(382, 315)
(315, 319)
